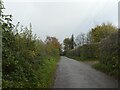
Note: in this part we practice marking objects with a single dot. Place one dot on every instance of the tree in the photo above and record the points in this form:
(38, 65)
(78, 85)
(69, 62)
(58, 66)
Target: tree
(53, 41)
(69, 43)
(102, 31)
(88, 39)
(80, 39)
(72, 42)
(66, 43)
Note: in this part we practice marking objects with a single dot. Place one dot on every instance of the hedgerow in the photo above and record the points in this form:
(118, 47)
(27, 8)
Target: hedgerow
(27, 61)
(85, 52)
(109, 53)
(23, 56)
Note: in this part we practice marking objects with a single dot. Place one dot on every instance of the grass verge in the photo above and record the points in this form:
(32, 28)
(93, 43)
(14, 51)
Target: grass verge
(47, 71)
(106, 69)
(83, 60)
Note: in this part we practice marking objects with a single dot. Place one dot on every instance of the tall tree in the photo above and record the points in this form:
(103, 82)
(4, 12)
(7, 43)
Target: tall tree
(66, 43)
(80, 39)
(102, 31)
(69, 43)
(72, 42)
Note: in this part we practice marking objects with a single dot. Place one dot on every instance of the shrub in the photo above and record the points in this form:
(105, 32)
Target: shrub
(109, 51)
(24, 57)
(87, 51)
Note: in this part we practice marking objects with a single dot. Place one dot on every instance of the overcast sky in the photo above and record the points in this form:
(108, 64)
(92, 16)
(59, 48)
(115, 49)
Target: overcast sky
(62, 18)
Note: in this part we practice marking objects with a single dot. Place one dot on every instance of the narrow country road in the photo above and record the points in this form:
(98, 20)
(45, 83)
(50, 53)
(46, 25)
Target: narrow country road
(74, 74)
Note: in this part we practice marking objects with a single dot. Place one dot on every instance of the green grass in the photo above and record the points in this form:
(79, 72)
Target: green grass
(83, 60)
(46, 72)
(106, 69)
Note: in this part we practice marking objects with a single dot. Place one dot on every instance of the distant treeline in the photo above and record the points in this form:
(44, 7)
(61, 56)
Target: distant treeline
(100, 43)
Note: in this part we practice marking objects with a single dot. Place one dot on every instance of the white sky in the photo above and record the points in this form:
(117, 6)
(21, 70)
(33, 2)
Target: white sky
(62, 18)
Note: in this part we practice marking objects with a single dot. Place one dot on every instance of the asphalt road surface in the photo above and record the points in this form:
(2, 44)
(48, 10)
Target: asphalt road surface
(74, 74)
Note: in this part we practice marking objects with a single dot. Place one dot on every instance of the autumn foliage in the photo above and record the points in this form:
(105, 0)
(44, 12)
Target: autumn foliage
(27, 61)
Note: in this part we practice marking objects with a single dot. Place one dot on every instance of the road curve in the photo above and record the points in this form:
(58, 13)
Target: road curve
(74, 74)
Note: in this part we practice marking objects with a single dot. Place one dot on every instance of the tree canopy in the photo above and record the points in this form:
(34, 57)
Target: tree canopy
(102, 31)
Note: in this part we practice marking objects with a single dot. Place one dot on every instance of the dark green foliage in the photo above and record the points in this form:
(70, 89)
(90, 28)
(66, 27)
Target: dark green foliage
(106, 69)
(66, 43)
(109, 52)
(74, 52)
(69, 43)
(23, 59)
(27, 62)
(119, 53)
(87, 51)
(72, 42)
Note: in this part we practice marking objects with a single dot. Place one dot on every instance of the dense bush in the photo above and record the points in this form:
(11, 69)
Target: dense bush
(24, 57)
(109, 52)
(87, 51)
(27, 62)
(73, 52)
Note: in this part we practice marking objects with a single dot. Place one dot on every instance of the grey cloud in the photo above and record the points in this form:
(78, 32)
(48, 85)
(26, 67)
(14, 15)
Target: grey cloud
(61, 19)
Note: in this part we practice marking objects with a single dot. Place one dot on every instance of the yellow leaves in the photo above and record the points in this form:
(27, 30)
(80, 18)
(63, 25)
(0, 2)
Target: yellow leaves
(33, 53)
(53, 41)
(102, 31)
